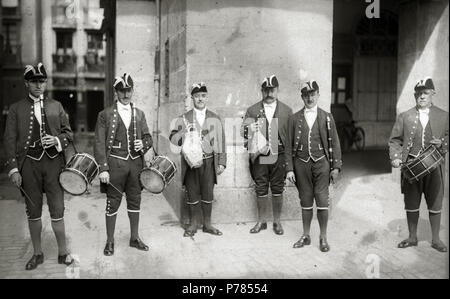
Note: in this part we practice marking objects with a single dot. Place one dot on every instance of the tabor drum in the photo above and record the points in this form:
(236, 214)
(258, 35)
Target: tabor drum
(79, 172)
(160, 173)
(424, 164)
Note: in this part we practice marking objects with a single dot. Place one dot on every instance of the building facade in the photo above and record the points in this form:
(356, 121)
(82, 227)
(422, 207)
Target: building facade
(367, 65)
(66, 36)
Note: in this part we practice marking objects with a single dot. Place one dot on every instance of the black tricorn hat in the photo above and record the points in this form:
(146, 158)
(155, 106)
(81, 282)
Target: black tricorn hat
(426, 83)
(309, 86)
(35, 72)
(124, 82)
(270, 82)
(198, 87)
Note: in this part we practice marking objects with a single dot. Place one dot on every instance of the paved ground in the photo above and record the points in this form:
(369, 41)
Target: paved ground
(367, 223)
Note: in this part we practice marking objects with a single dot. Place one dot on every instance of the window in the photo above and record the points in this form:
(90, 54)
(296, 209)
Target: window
(64, 41)
(10, 7)
(95, 41)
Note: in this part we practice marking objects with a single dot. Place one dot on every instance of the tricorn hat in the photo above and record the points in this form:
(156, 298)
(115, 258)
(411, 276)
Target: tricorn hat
(124, 82)
(309, 86)
(198, 87)
(270, 82)
(35, 72)
(426, 83)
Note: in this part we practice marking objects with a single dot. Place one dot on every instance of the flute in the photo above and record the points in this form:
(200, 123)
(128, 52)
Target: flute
(133, 111)
(42, 130)
(330, 143)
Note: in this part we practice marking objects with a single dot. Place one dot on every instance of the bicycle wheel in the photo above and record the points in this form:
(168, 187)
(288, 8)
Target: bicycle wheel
(359, 139)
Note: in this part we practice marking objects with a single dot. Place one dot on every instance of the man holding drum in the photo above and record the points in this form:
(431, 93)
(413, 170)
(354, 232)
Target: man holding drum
(121, 140)
(203, 130)
(414, 131)
(37, 131)
(265, 129)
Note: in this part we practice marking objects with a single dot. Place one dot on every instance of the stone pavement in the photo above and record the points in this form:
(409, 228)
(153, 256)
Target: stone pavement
(366, 225)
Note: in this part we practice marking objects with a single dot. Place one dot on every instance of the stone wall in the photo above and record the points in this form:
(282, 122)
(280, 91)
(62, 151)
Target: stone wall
(232, 46)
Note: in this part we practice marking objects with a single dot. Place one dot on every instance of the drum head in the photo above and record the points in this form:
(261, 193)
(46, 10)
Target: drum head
(72, 182)
(152, 181)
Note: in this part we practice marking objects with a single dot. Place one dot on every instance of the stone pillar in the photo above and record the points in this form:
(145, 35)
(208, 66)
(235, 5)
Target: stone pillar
(136, 40)
(423, 50)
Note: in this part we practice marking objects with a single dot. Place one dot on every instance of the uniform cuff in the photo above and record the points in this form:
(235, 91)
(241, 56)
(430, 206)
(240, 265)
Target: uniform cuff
(12, 171)
(58, 146)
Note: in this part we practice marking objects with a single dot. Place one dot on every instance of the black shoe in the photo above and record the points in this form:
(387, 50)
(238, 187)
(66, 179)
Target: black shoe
(34, 261)
(304, 240)
(407, 243)
(109, 249)
(211, 230)
(258, 227)
(189, 233)
(324, 247)
(277, 228)
(439, 246)
(66, 259)
(138, 244)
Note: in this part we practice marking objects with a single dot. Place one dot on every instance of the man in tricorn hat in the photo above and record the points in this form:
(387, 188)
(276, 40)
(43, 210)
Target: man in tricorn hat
(265, 130)
(121, 140)
(200, 181)
(313, 157)
(415, 130)
(37, 131)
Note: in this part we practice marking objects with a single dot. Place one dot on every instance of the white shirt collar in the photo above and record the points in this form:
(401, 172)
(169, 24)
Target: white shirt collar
(123, 107)
(271, 105)
(200, 112)
(313, 109)
(426, 110)
(34, 98)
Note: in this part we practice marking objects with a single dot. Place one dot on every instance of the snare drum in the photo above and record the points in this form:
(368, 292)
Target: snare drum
(424, 164)
(78, 173)
(156, 177)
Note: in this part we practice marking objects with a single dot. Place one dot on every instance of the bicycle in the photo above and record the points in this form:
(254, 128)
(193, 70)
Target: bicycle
(353, 135)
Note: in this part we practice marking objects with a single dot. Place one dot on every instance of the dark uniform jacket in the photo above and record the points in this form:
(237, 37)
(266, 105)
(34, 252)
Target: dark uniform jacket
(402, 143)
(297, 126)
(255, 112)
(106, 130)
(19, 129)
(213, 138)
(406, 127)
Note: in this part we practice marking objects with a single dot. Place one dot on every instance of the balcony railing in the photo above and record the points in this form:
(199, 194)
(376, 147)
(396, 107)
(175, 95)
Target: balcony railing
(94, 62)
(63, 17)
(65, 63)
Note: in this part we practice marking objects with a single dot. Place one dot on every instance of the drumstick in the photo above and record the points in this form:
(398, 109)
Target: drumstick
(115, 188)
(27, 196)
